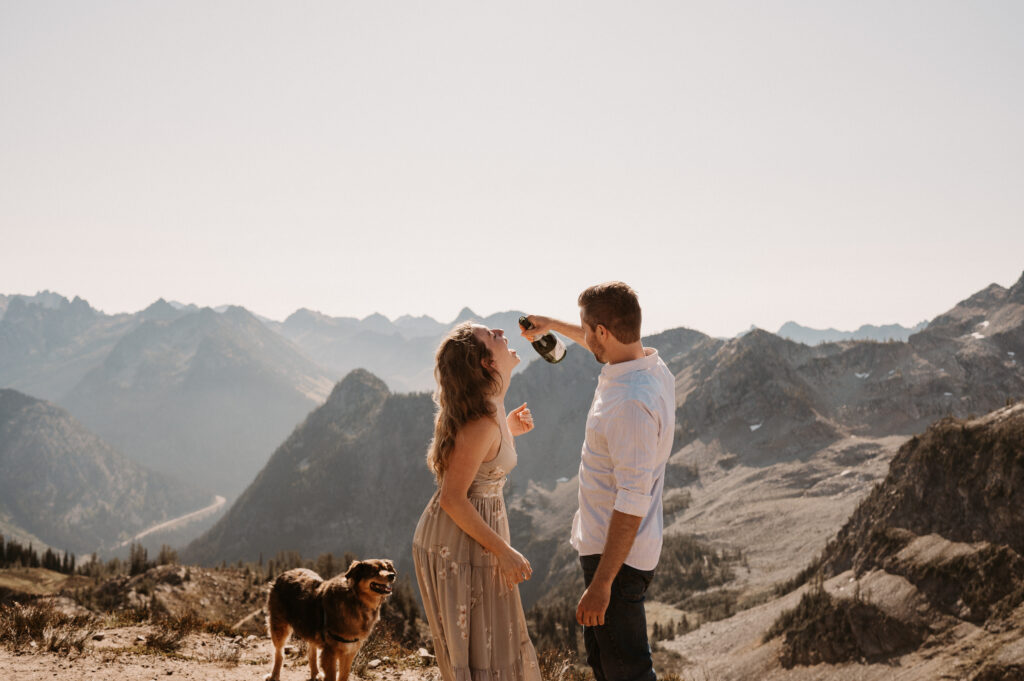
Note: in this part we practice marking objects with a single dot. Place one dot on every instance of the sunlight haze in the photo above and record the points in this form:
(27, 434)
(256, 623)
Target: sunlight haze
(738, 163)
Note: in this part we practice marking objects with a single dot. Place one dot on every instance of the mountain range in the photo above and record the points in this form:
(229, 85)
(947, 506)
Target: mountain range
(399, 352)
(776, 443)
(200, 393)
(886, 332)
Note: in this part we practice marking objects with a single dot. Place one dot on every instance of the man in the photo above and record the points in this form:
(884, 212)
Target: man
(617, 529)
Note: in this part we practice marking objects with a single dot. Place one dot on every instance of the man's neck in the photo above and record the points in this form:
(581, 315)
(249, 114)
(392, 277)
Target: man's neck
(626, 353)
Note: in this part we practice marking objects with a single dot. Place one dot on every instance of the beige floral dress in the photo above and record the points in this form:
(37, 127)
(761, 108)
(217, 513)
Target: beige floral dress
(477, 622)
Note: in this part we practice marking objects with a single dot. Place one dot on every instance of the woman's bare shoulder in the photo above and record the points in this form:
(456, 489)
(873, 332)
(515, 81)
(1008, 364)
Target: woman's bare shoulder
(479, 430)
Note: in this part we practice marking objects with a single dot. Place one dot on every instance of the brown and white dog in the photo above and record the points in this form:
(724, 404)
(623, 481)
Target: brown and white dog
(335, 616)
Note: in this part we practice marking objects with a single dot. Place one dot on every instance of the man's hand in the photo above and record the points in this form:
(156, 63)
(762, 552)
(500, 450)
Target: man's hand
(541, 325)
(593, 604)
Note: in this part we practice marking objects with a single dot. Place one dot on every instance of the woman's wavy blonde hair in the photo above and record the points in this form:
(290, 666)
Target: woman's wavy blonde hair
(463, 388)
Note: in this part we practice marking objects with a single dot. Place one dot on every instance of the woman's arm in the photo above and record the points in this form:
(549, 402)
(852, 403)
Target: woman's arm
(519, 420)
(472, 445)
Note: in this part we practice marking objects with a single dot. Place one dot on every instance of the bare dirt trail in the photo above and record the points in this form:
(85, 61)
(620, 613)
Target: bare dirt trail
(180, 521)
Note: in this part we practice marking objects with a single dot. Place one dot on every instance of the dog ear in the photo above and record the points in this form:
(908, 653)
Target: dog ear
(353, 569)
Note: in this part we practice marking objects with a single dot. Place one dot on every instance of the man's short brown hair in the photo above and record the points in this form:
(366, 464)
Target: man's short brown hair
(613, 305)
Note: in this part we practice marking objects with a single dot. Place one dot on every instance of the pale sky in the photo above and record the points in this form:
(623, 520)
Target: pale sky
(738, 163)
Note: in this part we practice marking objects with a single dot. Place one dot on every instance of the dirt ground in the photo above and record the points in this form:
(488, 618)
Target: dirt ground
(121, 654)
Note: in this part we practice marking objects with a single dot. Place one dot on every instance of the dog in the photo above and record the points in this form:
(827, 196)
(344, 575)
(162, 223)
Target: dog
(336, 615)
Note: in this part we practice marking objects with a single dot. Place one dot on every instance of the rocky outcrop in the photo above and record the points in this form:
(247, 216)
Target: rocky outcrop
(947, 524)
(963, 480)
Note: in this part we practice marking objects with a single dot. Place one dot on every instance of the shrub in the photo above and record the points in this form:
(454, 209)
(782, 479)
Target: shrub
(560, 665)
(165, 640)
(824, 629)
(49, 628)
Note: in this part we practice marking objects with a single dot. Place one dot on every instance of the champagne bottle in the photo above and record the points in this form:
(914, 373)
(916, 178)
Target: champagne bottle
(549, 346)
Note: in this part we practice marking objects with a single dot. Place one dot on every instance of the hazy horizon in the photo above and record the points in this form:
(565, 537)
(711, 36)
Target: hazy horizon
(482, 313)
(738, 163)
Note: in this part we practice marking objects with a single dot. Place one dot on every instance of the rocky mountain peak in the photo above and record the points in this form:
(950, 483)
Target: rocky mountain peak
(357, 390)
(160, 310)
(303, 316)
(464, 315)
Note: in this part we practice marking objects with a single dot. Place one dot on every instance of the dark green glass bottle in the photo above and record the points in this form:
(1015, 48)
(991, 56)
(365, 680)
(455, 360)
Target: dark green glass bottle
(549, 346)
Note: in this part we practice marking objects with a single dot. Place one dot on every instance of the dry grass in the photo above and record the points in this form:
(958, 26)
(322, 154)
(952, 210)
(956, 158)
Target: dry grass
(41, 626)
(561, 665)
(386, 645)
(171, 631)
(165, 640)
(224, 654)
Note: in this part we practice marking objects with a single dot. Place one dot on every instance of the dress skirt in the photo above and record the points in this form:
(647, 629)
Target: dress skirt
(477, 622)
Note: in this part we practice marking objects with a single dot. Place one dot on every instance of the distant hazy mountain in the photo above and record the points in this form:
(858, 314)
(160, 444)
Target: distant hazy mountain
(66, 486)
(48, 343)
(808, 336)
(399, 352)
(201, 395)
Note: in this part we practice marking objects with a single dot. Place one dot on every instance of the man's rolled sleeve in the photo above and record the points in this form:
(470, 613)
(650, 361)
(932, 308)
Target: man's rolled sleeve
(632, 437)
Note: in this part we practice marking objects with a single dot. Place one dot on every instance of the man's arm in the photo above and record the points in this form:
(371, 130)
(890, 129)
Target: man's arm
(542, 325)
(621, 532)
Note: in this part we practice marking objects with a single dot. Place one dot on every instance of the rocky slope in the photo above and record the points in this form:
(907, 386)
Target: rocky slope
(66, 486)
(926, 578)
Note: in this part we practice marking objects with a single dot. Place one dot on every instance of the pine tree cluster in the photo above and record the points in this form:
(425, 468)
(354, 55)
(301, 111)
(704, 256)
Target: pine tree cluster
(13, 554)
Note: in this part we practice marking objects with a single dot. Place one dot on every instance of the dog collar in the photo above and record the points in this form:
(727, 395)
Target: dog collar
(342, 640)
(326, 634)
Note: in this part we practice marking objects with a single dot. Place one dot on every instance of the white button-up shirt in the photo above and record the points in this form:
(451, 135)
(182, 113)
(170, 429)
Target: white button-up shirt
(630, 428)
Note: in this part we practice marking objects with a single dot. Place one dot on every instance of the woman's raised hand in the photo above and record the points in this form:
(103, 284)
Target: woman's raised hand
(520, 420)
(514, 567)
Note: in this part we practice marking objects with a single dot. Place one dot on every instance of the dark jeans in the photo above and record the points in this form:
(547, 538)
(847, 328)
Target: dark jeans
(618, 649)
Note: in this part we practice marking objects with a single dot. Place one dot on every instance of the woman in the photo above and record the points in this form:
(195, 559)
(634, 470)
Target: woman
(467, 571)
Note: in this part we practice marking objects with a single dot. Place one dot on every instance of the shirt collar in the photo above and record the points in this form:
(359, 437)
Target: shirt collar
(648, 361)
